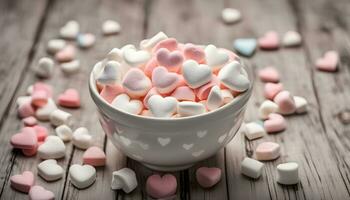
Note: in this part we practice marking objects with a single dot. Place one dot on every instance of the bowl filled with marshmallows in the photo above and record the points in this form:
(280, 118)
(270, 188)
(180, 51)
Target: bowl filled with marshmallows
(168, 104)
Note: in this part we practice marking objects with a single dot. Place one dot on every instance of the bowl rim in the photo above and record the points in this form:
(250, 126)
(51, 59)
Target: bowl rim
(243, 97)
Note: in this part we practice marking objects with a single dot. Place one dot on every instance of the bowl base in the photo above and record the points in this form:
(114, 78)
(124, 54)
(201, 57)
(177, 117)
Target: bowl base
(167, 168)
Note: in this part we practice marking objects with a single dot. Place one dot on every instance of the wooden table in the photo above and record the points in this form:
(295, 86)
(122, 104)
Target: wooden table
(319, 140)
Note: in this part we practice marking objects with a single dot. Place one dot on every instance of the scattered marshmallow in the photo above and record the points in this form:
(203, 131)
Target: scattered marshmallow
(329, 62)
(59, 117)
(208, 177)
(272, 89)
(269, 74)
(64, 132)
(245, 46)
(29, 90)
(285, 102)
(41, 132)
(86, 40)
(275, 123)
(22, 182)
(110, 27)
(55, 45)
(30, 121)
(66, 54)
(269, 41)
(82, 176)
(300, 104)
(161, 187)
(70, 99)
(253, 130)
(267, 151)
(162, 107)
(70, 30)
(52, 148)
(291, 39)
(124, 179)
(50, 170)
(287, 173)
(266, 108)
(45, 67)
(124, 103)
(44, 112)
(26, 139)
(231, 15)
(251, 168)
(94, 156)
(23, 100)
(39, 193)
(82, 138)
(71, 67)
(25, 110)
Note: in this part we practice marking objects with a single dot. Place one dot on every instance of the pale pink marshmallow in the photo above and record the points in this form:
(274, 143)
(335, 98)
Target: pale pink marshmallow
(109, 92)
(30, 152)
(171, 60)
(169, 43)
(39, 193)
(203, 91)
(22, 182)
(161, 187)
(194, 52)
(269, 41)
(164, 81)
(43, 86)
(30, 121)
(184, 93)
(267, 151)
(25, 110)
(26, 139)
(285, 102)
(66, 54)
(208, 176)
(150, 65)
(41, 93)
(146, 113)
(272, 89)
(269, 74)
(135, 83)
(70, 99)
(41, 132)
(151, 92)
(94, 156)
(275, 123)
(329, 62)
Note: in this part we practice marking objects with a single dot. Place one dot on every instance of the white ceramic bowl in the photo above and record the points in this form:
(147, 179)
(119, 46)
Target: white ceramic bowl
(171, 144)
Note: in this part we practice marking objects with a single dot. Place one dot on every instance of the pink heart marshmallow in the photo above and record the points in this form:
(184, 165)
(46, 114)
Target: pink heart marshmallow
(22, 182)
(161, 187)
(164, 81)
(272, 89)
(26, 139)
(135, 83)
(275, 123)
(269, 74)
(269, 41)
(39, 193)
(193, 52)
(66, 54)
(208, 177)
(70, 99)
(184, 93)
(203, 91)
(41, 132)
(329, 62)
(169, 43)
(25, 110)
(285, 102)
(94, 156)
(171, 60)
(109, 92)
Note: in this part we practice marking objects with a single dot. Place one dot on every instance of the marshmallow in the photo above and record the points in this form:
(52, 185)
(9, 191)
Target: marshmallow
(94, 156)
(329, 62)
(215, 98)
(275, 123)
(41, 94)
(148, 44)
(227, 96)
(50, 170)
(55, 45)
(253, 130)
(231, 77)
(115, 54)
(26, 139)
(161, 187)
(193, 52)
(135, 57)
(208, 177)
(285, 102)
(59, 117)
(64, 133)
(70, 30)
(189, 108)
(22, 182)
(272, 89)
(287, 173)
(82, 176)
(86, 40)
(123, 102)
(196, 74)
(169, 44)
(230, 15)
(162, 107)
(215, 58)
(45, 67)
(70, 99)
(245, 46)
(266, 108)
(66, 54)
(136, 83)
(29, 121)
(269, 41)
(23, 100)
(164, 81)
(39, 193)
(71, 67)
(52, 148)
(41, 132)
(300, 104)
(170, 60)
(124, 179)
(110, 27)
(109, 92)
(251, 168)
(184, 93)
(82, 138)
(44, 112)
(267, 151)
(269, 74)
(25, 110)
(111, 73)
(291, 39)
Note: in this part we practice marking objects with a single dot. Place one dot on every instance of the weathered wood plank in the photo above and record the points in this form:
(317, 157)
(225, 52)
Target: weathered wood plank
(20, 24)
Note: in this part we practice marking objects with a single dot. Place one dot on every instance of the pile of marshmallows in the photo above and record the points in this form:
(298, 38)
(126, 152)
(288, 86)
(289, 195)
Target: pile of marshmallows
(168, 79)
